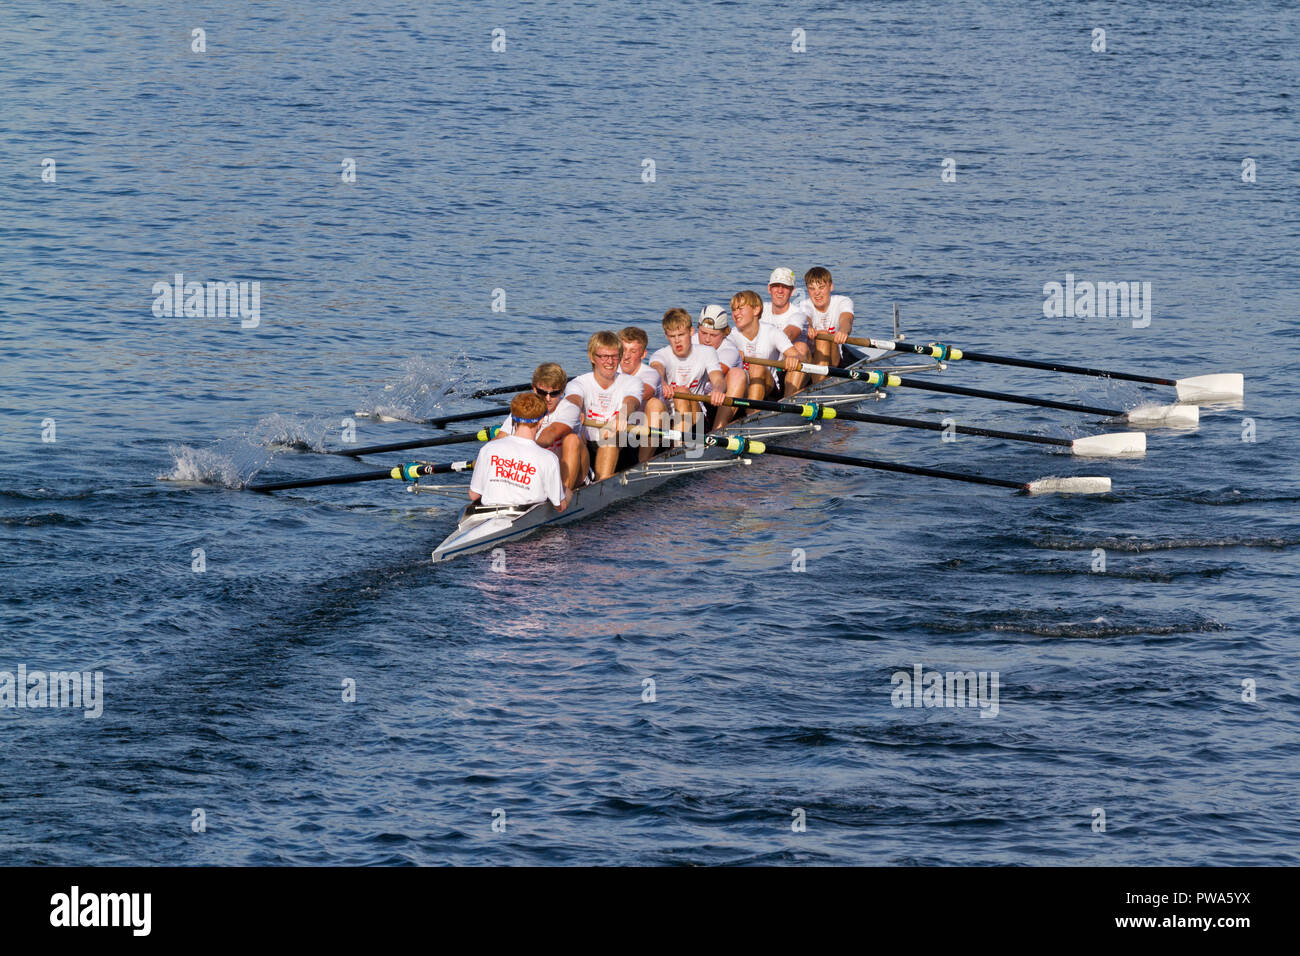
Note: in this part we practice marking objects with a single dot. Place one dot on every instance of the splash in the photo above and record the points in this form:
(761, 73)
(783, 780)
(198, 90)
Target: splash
(292, 433)
(426, 386)
(230, 463)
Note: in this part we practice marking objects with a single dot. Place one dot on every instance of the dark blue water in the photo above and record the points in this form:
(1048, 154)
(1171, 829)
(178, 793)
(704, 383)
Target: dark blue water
(521, 691)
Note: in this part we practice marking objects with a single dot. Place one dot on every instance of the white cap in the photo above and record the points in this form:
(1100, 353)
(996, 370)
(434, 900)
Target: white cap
(714, 317)
(781, 276)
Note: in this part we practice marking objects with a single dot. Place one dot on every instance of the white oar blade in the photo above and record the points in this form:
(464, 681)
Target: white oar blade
(1069, 486)
(1165, 416)
(1223, 387)
(1110, 446)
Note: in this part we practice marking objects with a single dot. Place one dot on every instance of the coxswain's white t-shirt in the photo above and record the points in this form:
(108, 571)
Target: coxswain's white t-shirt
(692, 372)
(566, 413)
(601, 404)
(768, 343)
(793, 315)
(516, 471)
(826, 321)
(728, 354)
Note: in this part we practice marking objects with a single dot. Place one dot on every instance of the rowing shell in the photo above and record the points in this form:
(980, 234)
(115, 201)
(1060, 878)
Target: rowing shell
(482, 528)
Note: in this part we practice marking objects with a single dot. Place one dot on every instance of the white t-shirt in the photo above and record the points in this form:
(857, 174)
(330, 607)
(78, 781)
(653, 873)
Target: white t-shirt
(516, 471)
(648, 376)
(828, 320)
(601, 404)
(728, 354)
(768, 342)
(566, 413)
(793, 315)
(692, 372)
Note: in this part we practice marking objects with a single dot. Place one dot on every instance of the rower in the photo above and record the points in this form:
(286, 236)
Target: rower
(635, 344)
(514, 470)
(605, 397)
(779, 313)
(826, 313)
(560, 425)
(714, 328)
(687, 367)
(756, 340)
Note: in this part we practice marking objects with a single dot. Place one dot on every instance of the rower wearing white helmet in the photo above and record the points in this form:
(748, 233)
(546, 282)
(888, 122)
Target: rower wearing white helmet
(715, 327)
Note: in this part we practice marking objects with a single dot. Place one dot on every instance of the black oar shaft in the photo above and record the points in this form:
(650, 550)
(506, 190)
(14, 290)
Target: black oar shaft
(1058, 367)
(961, 429)
(1005, 397)
(890, 466)
(852, 416)
(502, 390)
(928, 350)
(446, 420)
(404, 445)
(405, 473)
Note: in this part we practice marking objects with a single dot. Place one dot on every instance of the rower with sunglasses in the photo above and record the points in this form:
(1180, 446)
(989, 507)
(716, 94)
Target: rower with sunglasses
(559, 428)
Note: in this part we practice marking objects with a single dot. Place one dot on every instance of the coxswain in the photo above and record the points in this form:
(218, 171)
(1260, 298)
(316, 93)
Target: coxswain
(560, 427)
(514, 470)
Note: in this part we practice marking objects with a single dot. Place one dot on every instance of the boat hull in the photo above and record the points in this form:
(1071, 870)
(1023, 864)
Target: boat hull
(480, 529)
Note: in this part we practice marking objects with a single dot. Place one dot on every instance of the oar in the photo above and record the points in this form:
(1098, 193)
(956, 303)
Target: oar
(1166, 415)
(443, 421)
(1081, 485)
(1091, 446)
(501, 390)
(1198, 388)
(483, 434)
(407, 472)
(446, 420)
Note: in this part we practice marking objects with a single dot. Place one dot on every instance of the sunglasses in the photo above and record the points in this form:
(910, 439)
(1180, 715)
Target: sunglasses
(547, 393)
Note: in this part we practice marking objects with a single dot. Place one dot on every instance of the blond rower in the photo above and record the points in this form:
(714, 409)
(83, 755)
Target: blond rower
(756, 340)
(605, 397)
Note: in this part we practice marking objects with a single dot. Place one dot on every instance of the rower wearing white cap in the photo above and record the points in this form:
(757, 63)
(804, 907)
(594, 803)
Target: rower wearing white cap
(715, 327)
(756, 340)
(781, 314)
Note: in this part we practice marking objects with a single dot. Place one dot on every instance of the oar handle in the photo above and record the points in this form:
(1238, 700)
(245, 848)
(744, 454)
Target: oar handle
(697, 397)
(865, 342)
(754, 360)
